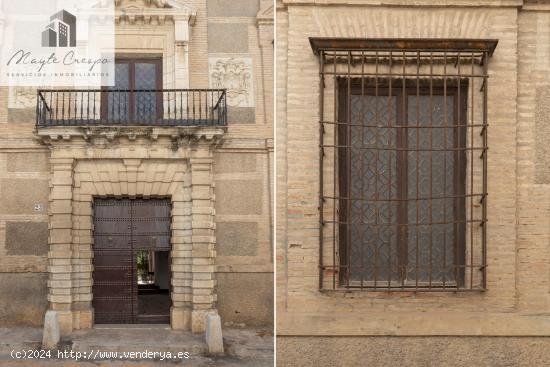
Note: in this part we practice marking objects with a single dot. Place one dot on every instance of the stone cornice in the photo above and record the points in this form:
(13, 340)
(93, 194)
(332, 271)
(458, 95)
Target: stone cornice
(148, 15)
(536, 5)
(411, 3)
(101, 135)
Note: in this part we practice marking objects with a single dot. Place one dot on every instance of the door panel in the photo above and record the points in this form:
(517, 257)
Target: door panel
(113, 262)
(121, 227)
(151, 224)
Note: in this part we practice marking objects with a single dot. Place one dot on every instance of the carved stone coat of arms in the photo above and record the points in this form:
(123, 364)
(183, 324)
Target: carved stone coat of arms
(234, 74)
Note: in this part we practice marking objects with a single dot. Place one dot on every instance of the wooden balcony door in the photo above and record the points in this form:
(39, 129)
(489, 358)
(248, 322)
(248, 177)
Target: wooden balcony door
(136, 98)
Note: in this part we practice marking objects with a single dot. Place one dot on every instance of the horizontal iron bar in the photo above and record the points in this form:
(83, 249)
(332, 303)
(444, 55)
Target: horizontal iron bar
(399, 44)
(129, 90)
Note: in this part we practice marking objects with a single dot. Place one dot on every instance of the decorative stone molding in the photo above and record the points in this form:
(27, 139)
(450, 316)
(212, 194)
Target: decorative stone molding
(265, 16)
(104, 135)
(234, 74)
(87, 162)
(153, 12)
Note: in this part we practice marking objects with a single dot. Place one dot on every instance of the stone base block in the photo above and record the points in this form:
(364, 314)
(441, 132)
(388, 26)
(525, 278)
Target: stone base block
(214, 338)
(65, 319)
(83, 319)
(51, 335)
(198, 320)
(180, 318)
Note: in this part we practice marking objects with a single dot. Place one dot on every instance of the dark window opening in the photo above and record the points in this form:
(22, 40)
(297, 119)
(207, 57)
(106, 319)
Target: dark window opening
(402, 184)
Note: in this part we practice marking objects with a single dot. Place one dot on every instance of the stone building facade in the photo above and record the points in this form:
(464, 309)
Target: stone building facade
(505, 322)
(217, 178)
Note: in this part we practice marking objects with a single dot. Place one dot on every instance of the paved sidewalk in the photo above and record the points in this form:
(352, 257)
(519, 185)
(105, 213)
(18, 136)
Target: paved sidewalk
(244, 347)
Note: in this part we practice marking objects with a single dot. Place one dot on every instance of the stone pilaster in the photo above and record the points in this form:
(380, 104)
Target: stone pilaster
(182, 247)
(181, 51)
(265, 23)
(60, 281)
(203, 236)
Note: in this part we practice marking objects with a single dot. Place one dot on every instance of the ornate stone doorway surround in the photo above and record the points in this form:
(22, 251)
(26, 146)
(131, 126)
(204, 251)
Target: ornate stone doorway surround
(131, 162)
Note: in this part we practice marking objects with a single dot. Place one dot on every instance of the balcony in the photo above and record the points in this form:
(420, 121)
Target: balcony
(109, 107)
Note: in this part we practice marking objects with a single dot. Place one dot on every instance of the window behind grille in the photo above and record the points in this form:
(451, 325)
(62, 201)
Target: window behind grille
(403, 189)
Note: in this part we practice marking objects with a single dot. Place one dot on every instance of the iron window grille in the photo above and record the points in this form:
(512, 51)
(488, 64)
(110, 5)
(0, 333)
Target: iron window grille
(403, 163)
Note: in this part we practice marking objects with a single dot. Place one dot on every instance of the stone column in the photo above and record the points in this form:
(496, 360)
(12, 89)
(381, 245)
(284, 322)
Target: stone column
(203, 236)
(60, 240)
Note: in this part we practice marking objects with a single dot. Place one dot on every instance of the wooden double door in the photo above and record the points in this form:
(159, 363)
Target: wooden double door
(122, 227)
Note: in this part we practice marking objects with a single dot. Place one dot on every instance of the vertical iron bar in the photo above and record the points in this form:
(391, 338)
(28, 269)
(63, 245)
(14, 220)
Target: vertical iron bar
(69, 108)
(336, 153)
(361, 174)
(38, 109)
(459, 162)
(169, 103)
(321, 159)
(471, 127)
(431, 183)
(402, 156)
(56, 104)
(63, 108)
(376, 195)
(417, 249)
(51, 96)
(348, 168)
(445, 153)
(485, 153)
(390, 195)
(88, 107)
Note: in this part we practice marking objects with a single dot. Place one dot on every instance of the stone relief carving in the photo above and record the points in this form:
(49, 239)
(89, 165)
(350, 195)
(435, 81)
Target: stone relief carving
(234, 74)
(141, 3)
(22, 97)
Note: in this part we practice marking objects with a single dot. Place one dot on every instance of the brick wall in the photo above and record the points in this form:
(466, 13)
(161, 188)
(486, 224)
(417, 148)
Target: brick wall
(517, 247)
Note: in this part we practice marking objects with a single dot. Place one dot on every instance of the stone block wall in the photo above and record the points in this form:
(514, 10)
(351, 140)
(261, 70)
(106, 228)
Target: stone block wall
(24, 190)
(240, 40)
(29, 184)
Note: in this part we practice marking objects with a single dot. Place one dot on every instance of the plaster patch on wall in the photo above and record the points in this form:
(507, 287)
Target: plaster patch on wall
(234, 74)
(542, 127)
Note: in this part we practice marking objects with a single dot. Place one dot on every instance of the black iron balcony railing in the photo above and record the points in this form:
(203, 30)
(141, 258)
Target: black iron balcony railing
(167, 107)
